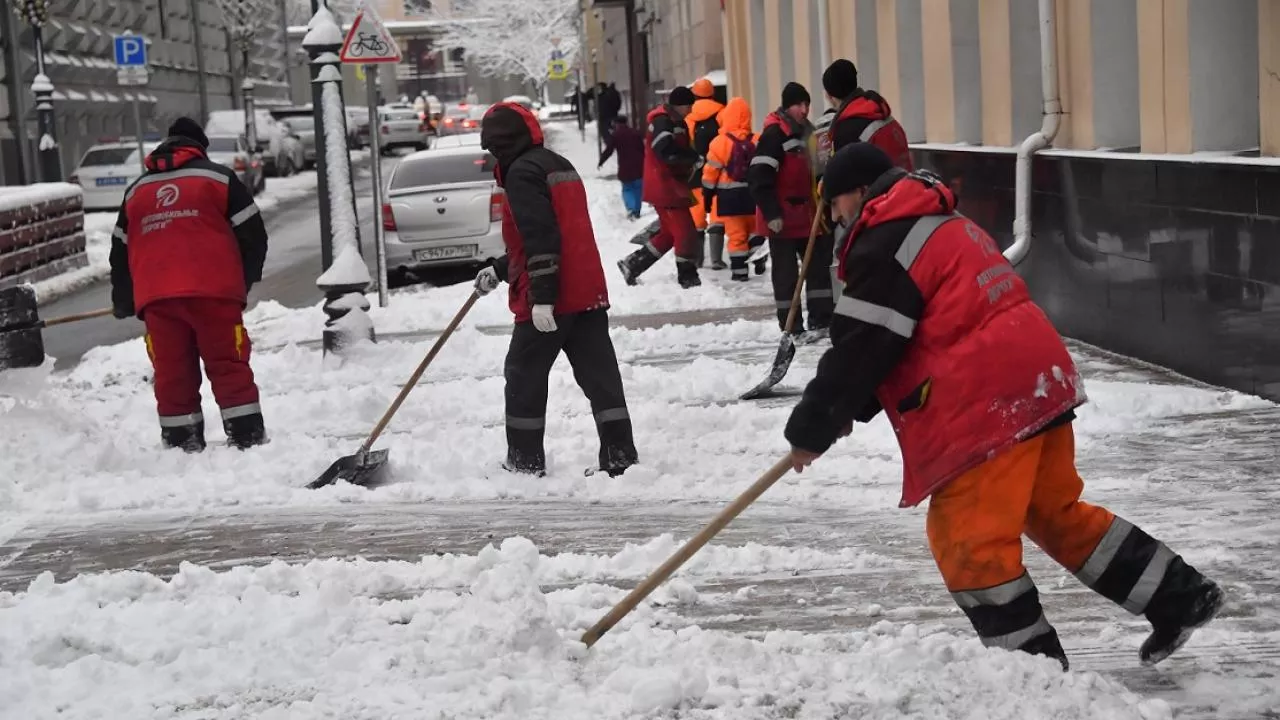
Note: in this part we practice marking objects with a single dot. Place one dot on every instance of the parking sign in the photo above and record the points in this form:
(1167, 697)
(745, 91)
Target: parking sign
(131, 51)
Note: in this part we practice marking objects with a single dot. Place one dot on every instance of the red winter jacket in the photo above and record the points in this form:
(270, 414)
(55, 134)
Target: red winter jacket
(552, 257)
(780, 177)
(936, 323)
(669, 160)
(866, 117)
(188, 228)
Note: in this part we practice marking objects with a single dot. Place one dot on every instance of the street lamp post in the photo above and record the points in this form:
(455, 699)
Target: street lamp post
(36, 13)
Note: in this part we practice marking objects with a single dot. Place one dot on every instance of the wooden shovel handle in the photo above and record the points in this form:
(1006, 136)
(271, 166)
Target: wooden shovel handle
(417, 374)
(804, 267)
(659, 576)
(77, 317)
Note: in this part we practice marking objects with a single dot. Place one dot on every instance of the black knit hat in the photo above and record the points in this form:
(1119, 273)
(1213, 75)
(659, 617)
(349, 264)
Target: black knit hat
(794, 94)
(840, 79)
(681, 95)
(854, 166)
(189, 129)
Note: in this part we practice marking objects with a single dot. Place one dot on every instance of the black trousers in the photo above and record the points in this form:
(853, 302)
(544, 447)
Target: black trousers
(584, 338)
(788, 254)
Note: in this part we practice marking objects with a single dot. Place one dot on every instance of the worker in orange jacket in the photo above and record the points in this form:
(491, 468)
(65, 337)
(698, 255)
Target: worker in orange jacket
(724, 184)
(704, 125)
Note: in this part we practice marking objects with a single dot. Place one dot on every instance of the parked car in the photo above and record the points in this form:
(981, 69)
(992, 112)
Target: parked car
(457, 141)
(107, 169)
(300, 122)
(443, 209)
(233, 151)
(357, 127)
(401, 127)
(281, 148)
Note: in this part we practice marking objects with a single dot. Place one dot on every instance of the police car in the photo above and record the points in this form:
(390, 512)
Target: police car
(108, 169)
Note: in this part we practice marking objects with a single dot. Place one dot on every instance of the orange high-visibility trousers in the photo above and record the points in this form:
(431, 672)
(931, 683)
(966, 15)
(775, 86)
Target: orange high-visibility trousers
(698, 211)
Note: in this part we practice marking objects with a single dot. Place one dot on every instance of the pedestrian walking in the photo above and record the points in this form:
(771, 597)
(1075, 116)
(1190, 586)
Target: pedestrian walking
(782, 183)
(726, 197)
(703, 122)
(188, 245)
(936, 328)
(557, 294)
(862, 115)
(671, 170)
(628, 144)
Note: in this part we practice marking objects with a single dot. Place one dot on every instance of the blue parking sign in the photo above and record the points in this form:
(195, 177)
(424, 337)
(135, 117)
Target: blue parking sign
(131, 51)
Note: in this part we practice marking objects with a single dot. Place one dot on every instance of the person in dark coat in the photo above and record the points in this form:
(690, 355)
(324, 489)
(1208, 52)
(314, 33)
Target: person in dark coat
(557, 293)
(188, 245)
(629, 145)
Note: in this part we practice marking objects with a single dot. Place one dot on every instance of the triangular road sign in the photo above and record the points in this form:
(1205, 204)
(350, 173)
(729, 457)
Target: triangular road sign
(368, 40)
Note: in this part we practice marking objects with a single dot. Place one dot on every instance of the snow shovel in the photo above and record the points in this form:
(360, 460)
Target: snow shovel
(364, 467)
(21, 343)
(648, 233)
(690, 548)
(787, 346)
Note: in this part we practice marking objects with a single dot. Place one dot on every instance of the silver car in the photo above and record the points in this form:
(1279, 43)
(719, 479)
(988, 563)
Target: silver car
(401, 128)
(443, 209)
(233, 151)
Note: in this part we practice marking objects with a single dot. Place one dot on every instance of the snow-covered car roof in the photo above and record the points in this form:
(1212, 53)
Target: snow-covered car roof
(449, 142)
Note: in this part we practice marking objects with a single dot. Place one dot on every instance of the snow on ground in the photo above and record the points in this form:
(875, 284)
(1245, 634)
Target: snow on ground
(492, 635)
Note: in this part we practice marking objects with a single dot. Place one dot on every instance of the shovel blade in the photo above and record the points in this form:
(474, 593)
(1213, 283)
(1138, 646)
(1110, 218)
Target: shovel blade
(781, 364)
(21, 348)
(364, 470)
(18, 308)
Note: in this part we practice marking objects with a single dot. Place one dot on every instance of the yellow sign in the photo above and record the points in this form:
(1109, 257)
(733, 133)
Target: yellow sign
(360, 73)
(557, 70)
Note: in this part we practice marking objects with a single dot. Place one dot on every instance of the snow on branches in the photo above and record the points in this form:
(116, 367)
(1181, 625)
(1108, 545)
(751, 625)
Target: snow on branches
(510, 37)
(242, 18)
(298, 12)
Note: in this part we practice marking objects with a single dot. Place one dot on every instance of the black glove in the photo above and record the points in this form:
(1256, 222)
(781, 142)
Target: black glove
(123, 313)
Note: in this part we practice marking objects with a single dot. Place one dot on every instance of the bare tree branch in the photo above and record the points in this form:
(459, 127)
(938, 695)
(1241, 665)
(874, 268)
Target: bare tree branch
(510, 37)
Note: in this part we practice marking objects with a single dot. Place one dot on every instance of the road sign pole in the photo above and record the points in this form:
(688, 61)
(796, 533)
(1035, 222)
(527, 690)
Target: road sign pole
(137, 130)
(375, 155)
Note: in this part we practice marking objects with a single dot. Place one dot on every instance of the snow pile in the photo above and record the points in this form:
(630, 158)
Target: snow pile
(343, 639)
(19, 196)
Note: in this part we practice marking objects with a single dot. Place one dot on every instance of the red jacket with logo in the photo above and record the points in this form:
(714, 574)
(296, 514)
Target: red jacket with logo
(780, 178)
(188, 228)
(936, 328)
(866, 117)
(552, 257)
(669, 160)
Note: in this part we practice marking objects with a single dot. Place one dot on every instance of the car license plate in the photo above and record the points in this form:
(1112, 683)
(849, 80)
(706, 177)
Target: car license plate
(108, 181)
(446, 252)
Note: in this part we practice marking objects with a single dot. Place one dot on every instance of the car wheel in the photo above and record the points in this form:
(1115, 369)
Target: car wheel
(284, 168)
(420, 146)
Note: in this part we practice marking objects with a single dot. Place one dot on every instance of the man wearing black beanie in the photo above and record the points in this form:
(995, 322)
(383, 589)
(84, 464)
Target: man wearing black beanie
(781, 182)
(671, 166)
(861, 116)
(188, 245)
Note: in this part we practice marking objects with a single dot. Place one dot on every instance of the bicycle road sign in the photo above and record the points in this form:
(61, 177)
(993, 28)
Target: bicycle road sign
(368, 41)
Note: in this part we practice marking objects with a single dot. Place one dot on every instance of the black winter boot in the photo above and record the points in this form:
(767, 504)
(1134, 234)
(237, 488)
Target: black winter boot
(687, 273)
(700, 254)
(188, 438)
(1184, 601)
(759, 253)
(738, 271)
(634, 265)
(1048, 645)
(245, 431)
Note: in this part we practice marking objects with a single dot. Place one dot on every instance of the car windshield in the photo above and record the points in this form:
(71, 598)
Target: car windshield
(301, 123)
(110, 156)
(429, 169)
(400, 116)
(223, 144)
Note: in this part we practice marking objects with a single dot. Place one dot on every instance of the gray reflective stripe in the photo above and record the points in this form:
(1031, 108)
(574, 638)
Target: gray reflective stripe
(876, 315)
(562, 176)
(708, 184)
(919, 234)
(740, 253)
(119, 235)
(686, 260)
(660, 137)
(730, 185)
(239, 218)
(1146, 586)
(782, 304)
(1102, 555)
(1018, 638)
(875, 127)
(177, 175)
(545, 271)
(653, 250)
(715, 164)
(612, 415)
(765, 160)
(793, 144)
(545, 257)
(1001, 594)
(181, 420)
(816, 295)
(519, 423)
(241, 411)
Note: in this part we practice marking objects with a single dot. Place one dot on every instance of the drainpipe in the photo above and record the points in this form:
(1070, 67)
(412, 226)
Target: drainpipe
(1041, 139)
(824, 35)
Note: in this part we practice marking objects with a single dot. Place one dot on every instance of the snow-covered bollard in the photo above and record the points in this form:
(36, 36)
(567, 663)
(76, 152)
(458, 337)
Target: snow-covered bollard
(346, 277)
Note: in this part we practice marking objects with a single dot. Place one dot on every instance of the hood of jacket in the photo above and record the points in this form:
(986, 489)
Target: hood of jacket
(703, 109)
(508, 131)
(865, 104)
(173, 153)
(735, 119)
(898, 195)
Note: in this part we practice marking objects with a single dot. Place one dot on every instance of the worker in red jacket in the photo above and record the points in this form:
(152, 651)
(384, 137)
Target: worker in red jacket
(862, 115)
(935, 327)
(188, 244)
(782, 183)
(671, 171)
(558, 293)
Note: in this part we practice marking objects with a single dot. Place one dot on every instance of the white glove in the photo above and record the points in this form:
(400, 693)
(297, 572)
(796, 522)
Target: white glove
(775, 226)
(544, 318)
(486, 281)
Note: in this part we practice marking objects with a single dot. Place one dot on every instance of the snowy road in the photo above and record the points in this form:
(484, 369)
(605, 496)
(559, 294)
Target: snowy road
(139, 583)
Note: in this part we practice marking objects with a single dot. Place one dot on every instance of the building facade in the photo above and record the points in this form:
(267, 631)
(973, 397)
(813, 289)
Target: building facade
(683, 40)
(184, 36)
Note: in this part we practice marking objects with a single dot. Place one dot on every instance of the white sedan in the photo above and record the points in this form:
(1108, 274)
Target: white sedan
(107, 170)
